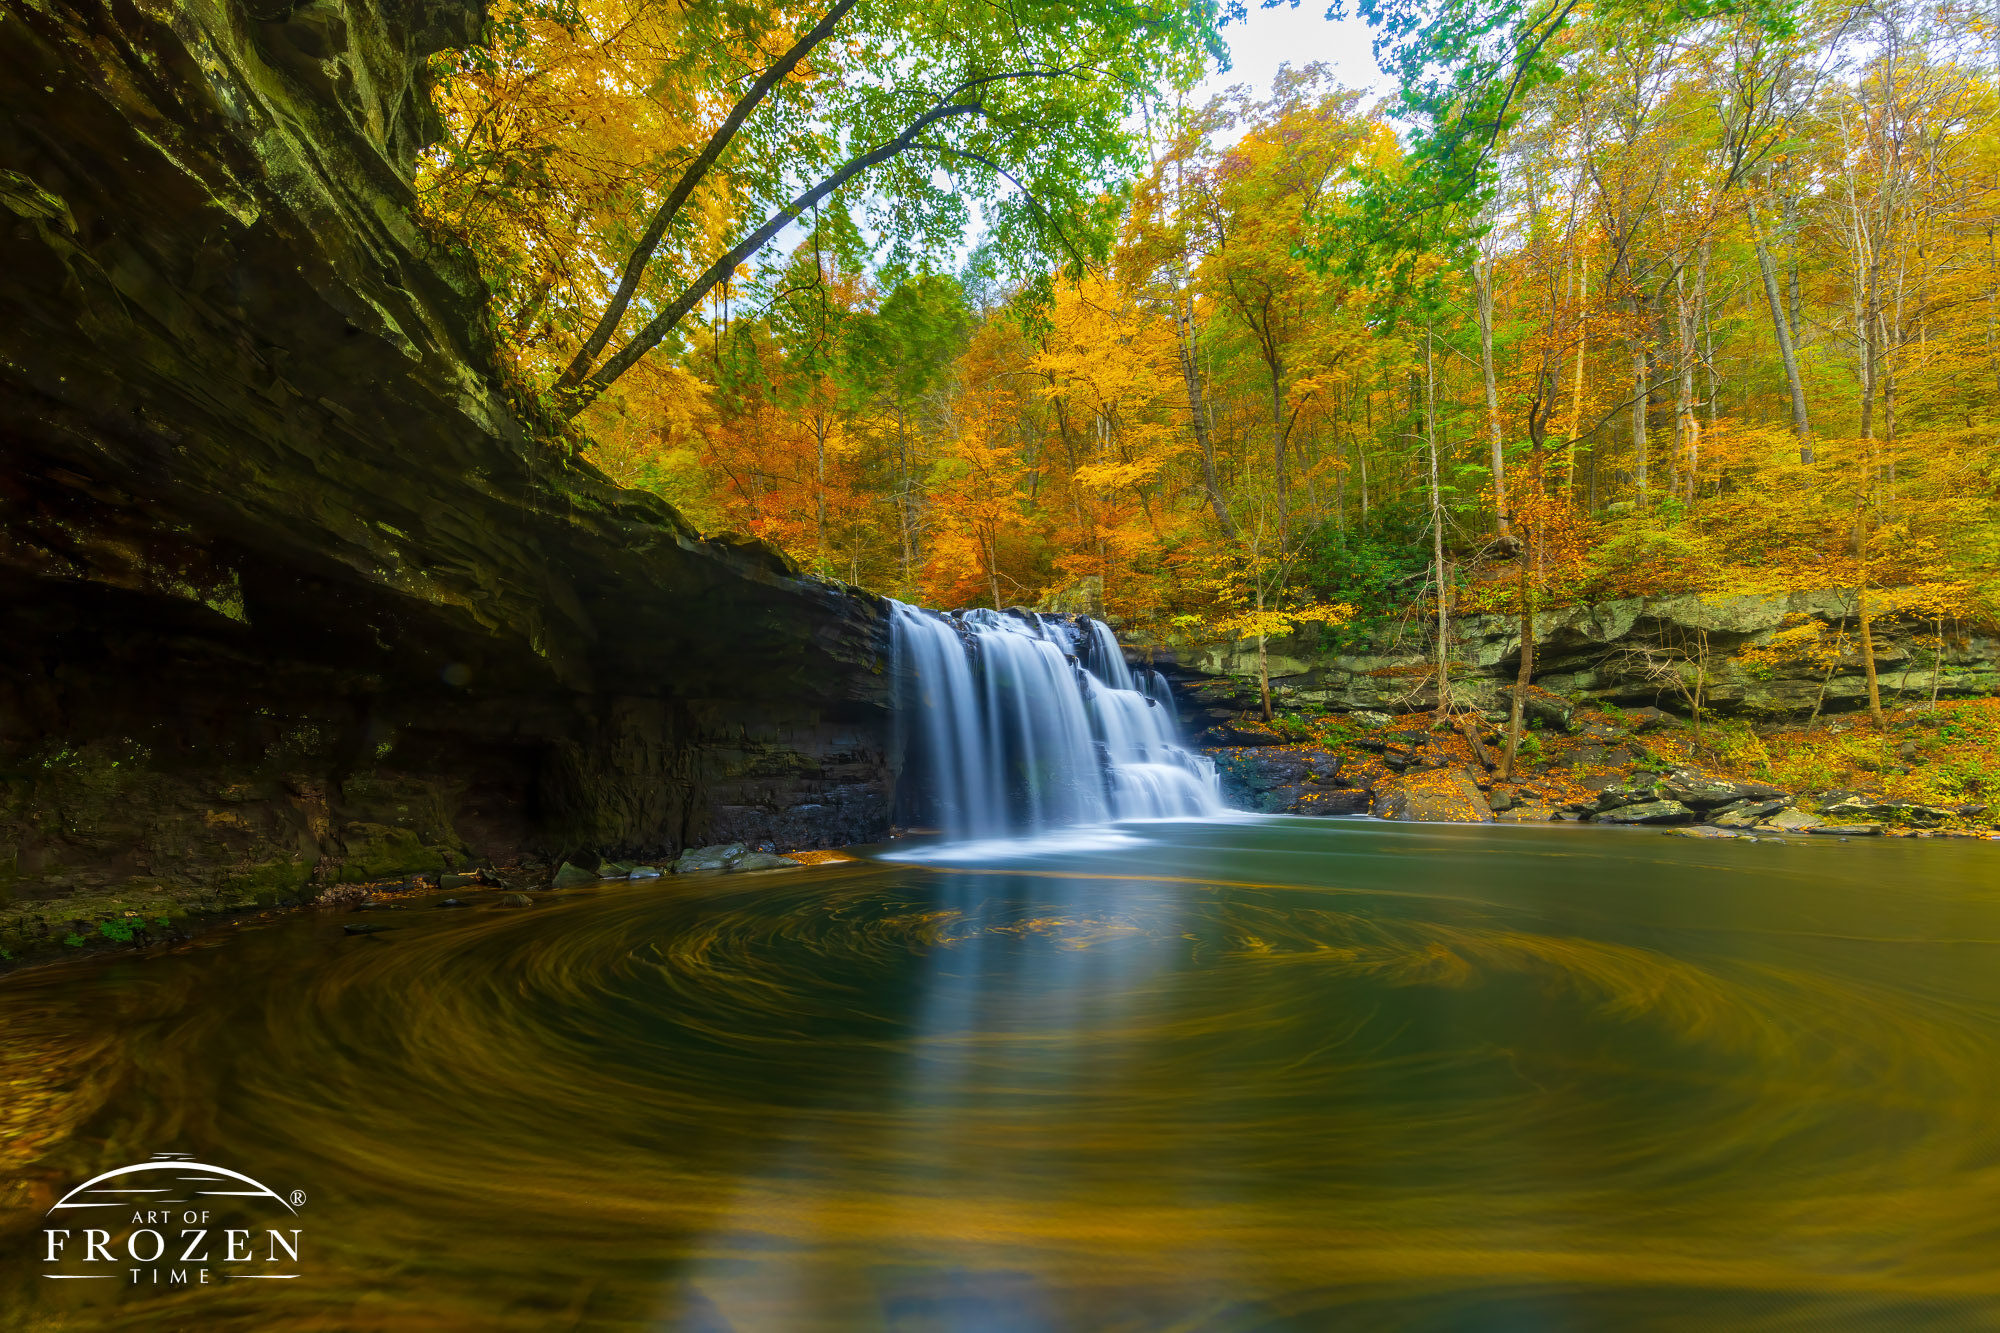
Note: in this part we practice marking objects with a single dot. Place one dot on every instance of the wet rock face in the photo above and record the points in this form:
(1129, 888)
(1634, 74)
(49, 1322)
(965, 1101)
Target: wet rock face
(1289, 781)
(269, 527)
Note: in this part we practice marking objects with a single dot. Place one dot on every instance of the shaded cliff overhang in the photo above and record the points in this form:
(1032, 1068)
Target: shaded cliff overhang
(246, 400)
(289, 596)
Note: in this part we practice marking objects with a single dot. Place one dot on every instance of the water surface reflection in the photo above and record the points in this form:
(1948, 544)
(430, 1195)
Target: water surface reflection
(1278, 1074)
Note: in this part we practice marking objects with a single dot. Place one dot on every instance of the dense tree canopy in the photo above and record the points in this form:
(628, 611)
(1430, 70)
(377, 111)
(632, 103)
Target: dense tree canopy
(614, 161)
(1611, 299)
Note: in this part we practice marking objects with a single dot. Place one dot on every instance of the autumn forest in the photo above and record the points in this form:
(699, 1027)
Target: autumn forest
(986, 309)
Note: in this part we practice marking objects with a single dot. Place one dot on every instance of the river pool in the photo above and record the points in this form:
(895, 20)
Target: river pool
(1266, 1074)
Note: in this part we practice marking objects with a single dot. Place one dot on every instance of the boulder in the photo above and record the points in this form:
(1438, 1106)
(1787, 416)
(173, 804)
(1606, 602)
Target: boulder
(1437, 796)
(1601, 756)
(1640, 790)
(1746, 814)
(1261, 770)
(1281, 781)
(1322, 801)
(763, 861)
(1793, 821)
(570, 875)
(1704, 792)
(719, 857)
(1646, 812)
(1245, 733)
(1552, 711)
(1908, 813)
(1648, 719)
(1524, 814)
(1849, 830)
(1400, 759)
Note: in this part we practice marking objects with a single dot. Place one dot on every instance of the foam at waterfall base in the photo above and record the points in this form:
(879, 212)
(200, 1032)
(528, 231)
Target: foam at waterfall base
(1076, 838)
(1057, 842)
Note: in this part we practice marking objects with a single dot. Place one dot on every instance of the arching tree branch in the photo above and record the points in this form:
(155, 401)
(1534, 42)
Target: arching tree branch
(663, 217)
(674, 311)
(579, 395)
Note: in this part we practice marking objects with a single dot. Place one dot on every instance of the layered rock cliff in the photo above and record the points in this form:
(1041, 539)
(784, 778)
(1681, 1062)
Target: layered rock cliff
(1655, 651)
(1615, 686)
(288, 595)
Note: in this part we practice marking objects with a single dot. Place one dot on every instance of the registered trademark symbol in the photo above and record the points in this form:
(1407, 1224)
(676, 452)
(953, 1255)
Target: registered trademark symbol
(298, 1197)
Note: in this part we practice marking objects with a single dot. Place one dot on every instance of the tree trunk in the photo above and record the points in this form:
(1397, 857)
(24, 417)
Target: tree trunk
(1438, 566)
(1641, 397)
(1993, 271)
(1791, 225)
(1684, 413)
(904, 511)
(1263, 661)
(1707, 337)
(1190, 355)
(1576, 392)
(1782, 328)
(819, 487)
(1502, 522)
(1525, 676)
(1868, 649)
(1864, 481)
(1279, 436)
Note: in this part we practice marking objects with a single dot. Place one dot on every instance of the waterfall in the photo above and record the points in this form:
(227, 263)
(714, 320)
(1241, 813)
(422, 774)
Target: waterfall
(1018, 722)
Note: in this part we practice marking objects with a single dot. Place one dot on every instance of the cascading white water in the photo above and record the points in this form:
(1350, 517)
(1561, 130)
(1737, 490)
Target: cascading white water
(1021, 722)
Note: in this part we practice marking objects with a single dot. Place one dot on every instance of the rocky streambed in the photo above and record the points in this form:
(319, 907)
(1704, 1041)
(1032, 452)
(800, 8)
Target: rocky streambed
(1619, 767)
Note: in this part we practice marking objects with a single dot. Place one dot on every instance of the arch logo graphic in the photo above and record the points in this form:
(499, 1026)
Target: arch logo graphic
(172, 1223)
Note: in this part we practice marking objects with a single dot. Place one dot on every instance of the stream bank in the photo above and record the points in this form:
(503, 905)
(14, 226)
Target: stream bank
(1614, 735)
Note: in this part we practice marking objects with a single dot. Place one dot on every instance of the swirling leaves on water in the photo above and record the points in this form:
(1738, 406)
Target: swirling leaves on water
(1240, 1077)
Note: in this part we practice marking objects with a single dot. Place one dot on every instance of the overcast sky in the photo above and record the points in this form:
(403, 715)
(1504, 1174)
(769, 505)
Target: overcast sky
(1273, 37)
